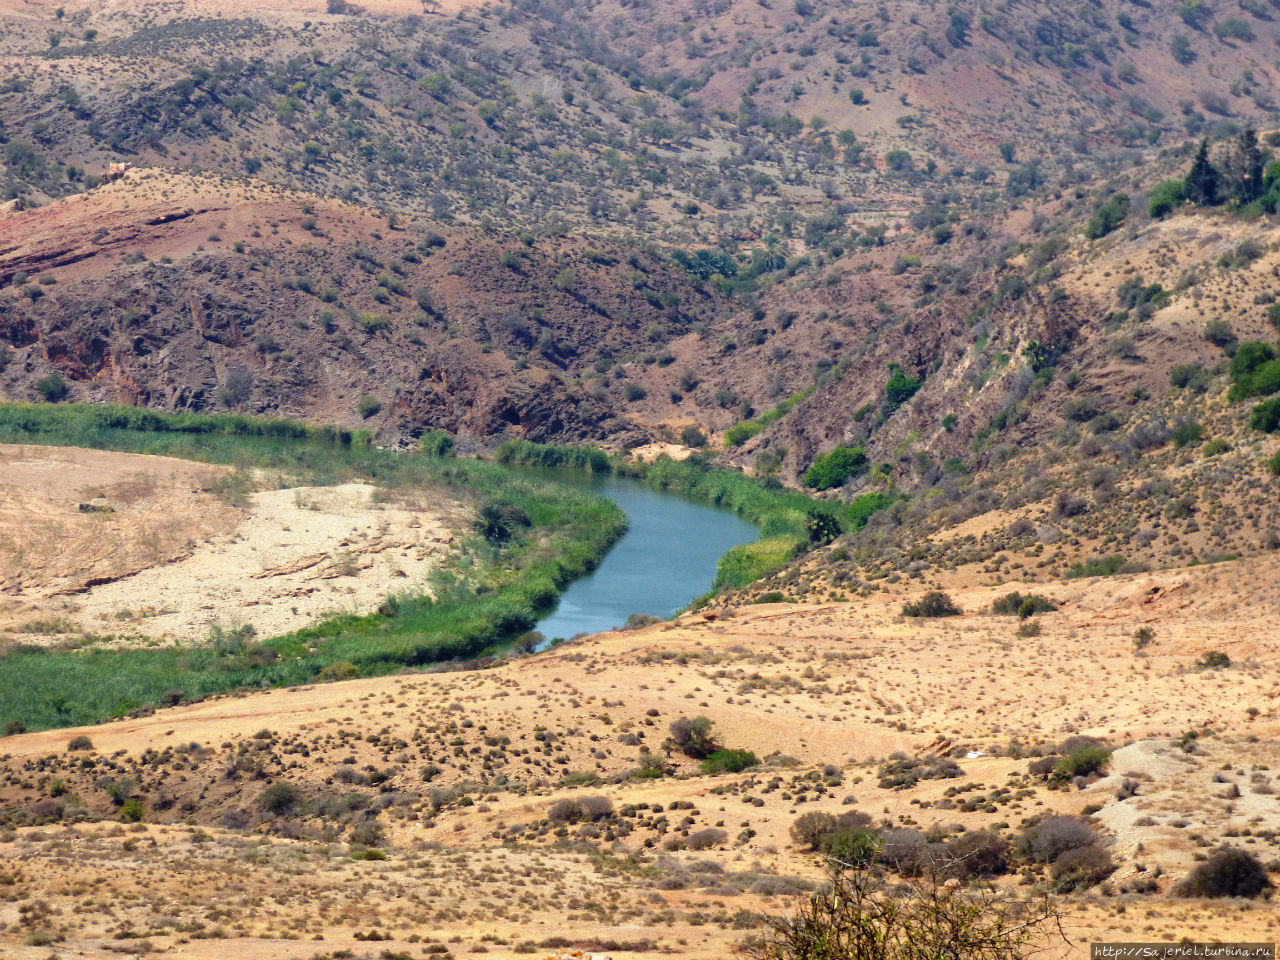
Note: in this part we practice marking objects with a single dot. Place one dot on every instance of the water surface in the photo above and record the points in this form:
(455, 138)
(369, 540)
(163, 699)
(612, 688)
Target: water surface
(666, 558)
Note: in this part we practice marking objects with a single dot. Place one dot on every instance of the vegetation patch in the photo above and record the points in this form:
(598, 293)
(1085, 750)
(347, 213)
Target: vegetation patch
(1022, 605)
(553, 534)
(932, 604)
(836, 468)
(740, 433)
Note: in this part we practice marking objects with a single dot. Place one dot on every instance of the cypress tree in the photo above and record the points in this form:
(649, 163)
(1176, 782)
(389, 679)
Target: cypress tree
(1248, 167)
(1202, 180)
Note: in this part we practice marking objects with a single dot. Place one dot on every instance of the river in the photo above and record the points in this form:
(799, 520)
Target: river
(666, 558)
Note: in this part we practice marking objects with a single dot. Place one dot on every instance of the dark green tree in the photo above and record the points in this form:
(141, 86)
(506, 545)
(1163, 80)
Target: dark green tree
(1245, 168)
(1203, 181)
(822, 527)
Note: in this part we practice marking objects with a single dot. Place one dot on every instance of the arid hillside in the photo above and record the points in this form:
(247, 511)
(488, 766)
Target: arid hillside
(596, 223)
(548, 801)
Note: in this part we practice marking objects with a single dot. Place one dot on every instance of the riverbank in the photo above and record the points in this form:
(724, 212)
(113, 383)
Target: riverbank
(536, 538)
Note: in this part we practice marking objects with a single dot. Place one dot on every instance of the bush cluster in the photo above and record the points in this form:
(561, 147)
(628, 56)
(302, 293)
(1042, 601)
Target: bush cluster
(1229, 872)
(933, 604)
(1024, 606)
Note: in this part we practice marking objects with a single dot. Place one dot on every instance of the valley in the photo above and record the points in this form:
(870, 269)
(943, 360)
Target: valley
(622, 478)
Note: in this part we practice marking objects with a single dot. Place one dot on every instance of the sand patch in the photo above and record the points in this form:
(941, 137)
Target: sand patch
(301, 554)
(143, 511)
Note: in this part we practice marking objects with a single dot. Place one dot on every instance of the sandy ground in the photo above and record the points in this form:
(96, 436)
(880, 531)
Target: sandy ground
(50, 550)
(467, 765)
(652, 451)
(301, 553)
(132, 548)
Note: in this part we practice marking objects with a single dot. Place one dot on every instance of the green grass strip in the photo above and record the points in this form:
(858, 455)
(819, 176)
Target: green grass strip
(740, 433)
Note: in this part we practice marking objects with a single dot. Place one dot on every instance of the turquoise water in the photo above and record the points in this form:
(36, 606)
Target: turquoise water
(666, 558)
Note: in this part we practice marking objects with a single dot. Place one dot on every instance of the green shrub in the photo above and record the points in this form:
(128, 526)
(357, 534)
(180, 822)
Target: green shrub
(898, 160)
(1189, 376)
(368, 833)
(1262, 382)
(1082, 762)
(1107, 217)
(1097, 567)
(1218, 332)
(1250, 355)
(691, 436)
(436, 443)
(851, 848)
(52, 387)
(1166, 196)
(1024, 606)
(823, 528)
(900, 388)
(279, 798)
(932, 604)
(1081, 867)
(729, 761)
(809, 829)
(1214, 660)
(368, 406)
(1230, 872)
(337, 671)
(1266, 416)
(132, 811)
(1255, 371)
(80, 743)
(1188, 434)
(836, 467)
(1233, 28)
(651, 767)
